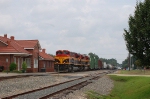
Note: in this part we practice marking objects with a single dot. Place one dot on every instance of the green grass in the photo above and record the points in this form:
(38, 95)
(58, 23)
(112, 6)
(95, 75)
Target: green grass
(127, 88)
(134, 72)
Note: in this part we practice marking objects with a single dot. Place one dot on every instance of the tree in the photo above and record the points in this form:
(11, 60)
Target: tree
(125, 63)
(138, 63)
(137, 38)
(24, 66)
(12, 66)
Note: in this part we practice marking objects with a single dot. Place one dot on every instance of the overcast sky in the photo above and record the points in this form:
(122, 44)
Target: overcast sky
(80, 26)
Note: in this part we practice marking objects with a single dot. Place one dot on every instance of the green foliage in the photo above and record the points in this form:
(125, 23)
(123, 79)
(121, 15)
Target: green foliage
(138, 63)
(24, 66)
(93, 95)
(125, 63)
(130, 87)
(137, 38)
(5, 71)
(12, 66)
(14, 71)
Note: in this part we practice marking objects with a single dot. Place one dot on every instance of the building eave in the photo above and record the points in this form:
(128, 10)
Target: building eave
(28, 48)
(3, 42)
(16, 53)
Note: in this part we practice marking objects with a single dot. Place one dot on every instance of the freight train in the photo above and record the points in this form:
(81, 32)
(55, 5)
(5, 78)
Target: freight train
(67, 61)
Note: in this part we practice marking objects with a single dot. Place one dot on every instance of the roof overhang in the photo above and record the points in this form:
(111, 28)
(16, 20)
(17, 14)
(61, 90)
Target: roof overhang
(28, 48)
(16, 53)
(41, 58)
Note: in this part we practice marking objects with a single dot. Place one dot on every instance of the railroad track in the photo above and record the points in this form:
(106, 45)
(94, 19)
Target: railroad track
(58, 90)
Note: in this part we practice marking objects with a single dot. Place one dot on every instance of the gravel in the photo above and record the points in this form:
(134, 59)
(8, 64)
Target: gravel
(19, 85)
(51, 90)
(102, 86)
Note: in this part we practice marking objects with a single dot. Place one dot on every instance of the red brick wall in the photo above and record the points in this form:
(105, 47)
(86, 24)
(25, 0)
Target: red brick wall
(34, 53)
(3, 61)
(49, 65)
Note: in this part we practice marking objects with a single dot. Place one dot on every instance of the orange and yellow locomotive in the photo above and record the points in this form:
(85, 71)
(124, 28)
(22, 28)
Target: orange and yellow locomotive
(67, 61)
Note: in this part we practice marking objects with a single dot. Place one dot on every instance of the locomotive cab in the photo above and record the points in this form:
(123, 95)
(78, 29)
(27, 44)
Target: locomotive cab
(63, 60)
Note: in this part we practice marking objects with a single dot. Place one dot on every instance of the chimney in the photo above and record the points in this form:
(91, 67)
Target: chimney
(8, 42)
(43, 50)
(5, 35)
(12, 37)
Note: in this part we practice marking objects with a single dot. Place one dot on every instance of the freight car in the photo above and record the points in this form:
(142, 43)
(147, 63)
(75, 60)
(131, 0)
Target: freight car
(100, 64)
(94, 65)
(67, 61)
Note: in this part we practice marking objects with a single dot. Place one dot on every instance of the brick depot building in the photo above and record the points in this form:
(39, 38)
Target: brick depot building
(17, 51)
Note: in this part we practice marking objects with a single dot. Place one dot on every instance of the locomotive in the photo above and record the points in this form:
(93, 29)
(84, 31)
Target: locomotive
(67, 61)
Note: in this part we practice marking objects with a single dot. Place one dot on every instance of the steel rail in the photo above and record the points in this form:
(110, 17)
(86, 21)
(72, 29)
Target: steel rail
(55, 89)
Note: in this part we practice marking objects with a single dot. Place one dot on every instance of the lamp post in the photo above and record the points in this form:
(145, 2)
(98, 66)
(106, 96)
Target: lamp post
(129, 61)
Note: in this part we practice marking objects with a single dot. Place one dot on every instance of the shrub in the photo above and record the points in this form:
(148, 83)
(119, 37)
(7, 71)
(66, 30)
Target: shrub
(24, 66)
(12, 66)
(16, 71)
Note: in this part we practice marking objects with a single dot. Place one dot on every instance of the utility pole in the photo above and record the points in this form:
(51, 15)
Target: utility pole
(129, 61)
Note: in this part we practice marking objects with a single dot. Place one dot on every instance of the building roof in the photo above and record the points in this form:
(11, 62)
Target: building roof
(13, 46)
(28, 43)
(45, 56)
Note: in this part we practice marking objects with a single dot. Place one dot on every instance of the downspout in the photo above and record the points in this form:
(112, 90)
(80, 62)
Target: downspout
(38, 59)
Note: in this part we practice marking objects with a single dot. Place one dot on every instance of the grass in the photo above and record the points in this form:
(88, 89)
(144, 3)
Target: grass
(135, 72)
(130, 88)
(126, 87)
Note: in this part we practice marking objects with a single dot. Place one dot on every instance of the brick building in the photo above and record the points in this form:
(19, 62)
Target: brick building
(46, 61)
(17, 51)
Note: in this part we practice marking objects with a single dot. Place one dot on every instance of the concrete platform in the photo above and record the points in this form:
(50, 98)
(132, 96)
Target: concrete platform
(25, 74)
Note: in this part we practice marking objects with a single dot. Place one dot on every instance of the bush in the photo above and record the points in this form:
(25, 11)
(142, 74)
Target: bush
(12, 66)
(24, 66)
(5, 71)
(16, 71)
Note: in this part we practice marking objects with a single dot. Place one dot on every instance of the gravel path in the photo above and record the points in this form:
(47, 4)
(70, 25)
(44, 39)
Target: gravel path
(19, 85)
(102, 86)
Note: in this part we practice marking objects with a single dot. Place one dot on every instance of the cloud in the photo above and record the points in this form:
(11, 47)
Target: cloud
(81, 26)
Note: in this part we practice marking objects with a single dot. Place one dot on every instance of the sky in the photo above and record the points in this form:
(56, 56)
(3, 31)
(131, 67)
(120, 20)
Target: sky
(81, 26)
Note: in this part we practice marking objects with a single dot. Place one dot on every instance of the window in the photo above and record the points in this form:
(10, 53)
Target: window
(15, 60)
(28, 62)
(66, 52)
(21, 61)
(58, 53)
(35, 63)
(44, 65)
